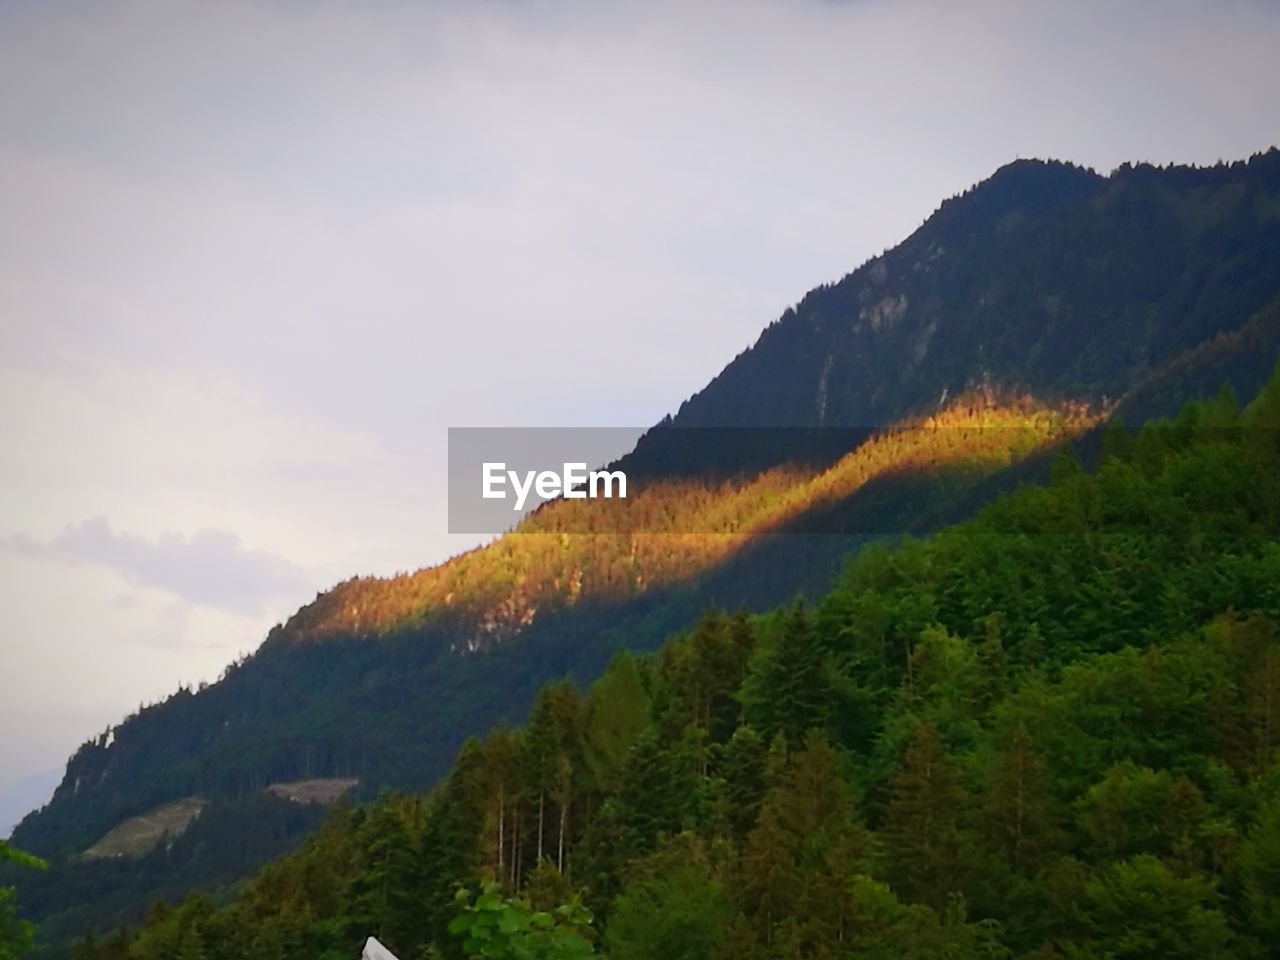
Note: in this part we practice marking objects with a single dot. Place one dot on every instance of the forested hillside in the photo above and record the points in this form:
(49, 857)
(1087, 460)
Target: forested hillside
(1040, 299)
(1048, 732)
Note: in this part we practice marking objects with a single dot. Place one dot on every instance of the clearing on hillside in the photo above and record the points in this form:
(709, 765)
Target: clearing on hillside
(140, 834)
(313, 791)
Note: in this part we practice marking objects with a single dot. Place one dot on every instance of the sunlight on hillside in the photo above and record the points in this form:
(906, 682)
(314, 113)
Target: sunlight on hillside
(673, 530)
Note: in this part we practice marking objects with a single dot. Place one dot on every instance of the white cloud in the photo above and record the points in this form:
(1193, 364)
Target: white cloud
(210, 567)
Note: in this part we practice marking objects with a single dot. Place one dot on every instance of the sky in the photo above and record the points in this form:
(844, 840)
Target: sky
(256, 258)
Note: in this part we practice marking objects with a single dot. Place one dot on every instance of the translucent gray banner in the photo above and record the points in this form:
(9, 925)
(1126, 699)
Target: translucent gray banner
(694, 481)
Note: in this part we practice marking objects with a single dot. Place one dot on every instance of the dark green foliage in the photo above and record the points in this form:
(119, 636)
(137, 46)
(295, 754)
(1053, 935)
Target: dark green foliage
(497, 928)
(180, 933)
(788, 690)
(704, 671)
(15, 933)
(1067, 748)
(676, 906)
(740, 782)
(229, 840)
(617, 713)
(384, 896)
(656, 796)
(926, 846)
(1139, 910)
(1259, 868)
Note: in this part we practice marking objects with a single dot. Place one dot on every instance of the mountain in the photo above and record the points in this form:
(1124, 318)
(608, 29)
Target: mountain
(1041, 299)
(1049, 731)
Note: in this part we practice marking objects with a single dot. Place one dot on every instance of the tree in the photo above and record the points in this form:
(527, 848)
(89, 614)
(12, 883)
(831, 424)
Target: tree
(740, 782)
(921, 829)
(1138, 910)
(656, 795)
(676, 907)
(453, 840)
(492, 927)
(179, 933)
(1017, 811)
(501, 755)
(16, 935)
(384, 897)
(806, 853)
(924, 934)
(1260, 873)
(553, 755)
(788, 689)
(617, 713)
(705, 670)
(1136, 810)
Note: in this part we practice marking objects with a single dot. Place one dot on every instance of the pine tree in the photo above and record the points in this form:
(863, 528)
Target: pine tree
(501, 755)
(453, 844)
(740, 782)
(16, 935)
(1262, 706)
(771, 881)
(656, 795)
(788, 690)
(552, 757)
(806, 852)
(384, 891)
(676, 907)
(1138, 910)
(617, 713)
(1260, 874)
(1017, 808)
(921, 828)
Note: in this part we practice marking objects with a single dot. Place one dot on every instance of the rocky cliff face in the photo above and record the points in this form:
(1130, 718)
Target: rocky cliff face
(1045, 276)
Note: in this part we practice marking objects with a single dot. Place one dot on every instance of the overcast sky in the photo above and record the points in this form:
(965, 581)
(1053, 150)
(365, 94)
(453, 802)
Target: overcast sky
(256, 257)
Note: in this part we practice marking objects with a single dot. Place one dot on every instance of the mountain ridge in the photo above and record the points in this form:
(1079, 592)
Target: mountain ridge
(1045, 279)
(1022, 188)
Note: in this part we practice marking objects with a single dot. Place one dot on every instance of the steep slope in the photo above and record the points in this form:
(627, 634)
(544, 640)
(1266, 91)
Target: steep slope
(1045, 275)
(1046, 732)
(1046, 278)
(1045, 291)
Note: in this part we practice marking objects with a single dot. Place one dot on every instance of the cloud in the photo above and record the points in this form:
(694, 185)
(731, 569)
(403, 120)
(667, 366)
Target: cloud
(209, 567)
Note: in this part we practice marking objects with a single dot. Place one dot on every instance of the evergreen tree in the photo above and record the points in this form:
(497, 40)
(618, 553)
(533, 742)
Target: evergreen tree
(384, 897)
(740, 782)
(617, 714)
(553, 755)
(656, 796)
(922, 830)
(676, 907)
(1138, 910)
(788, 689)
(453, 841)
(1017, 810)
(1260, 873)
(16, 935)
